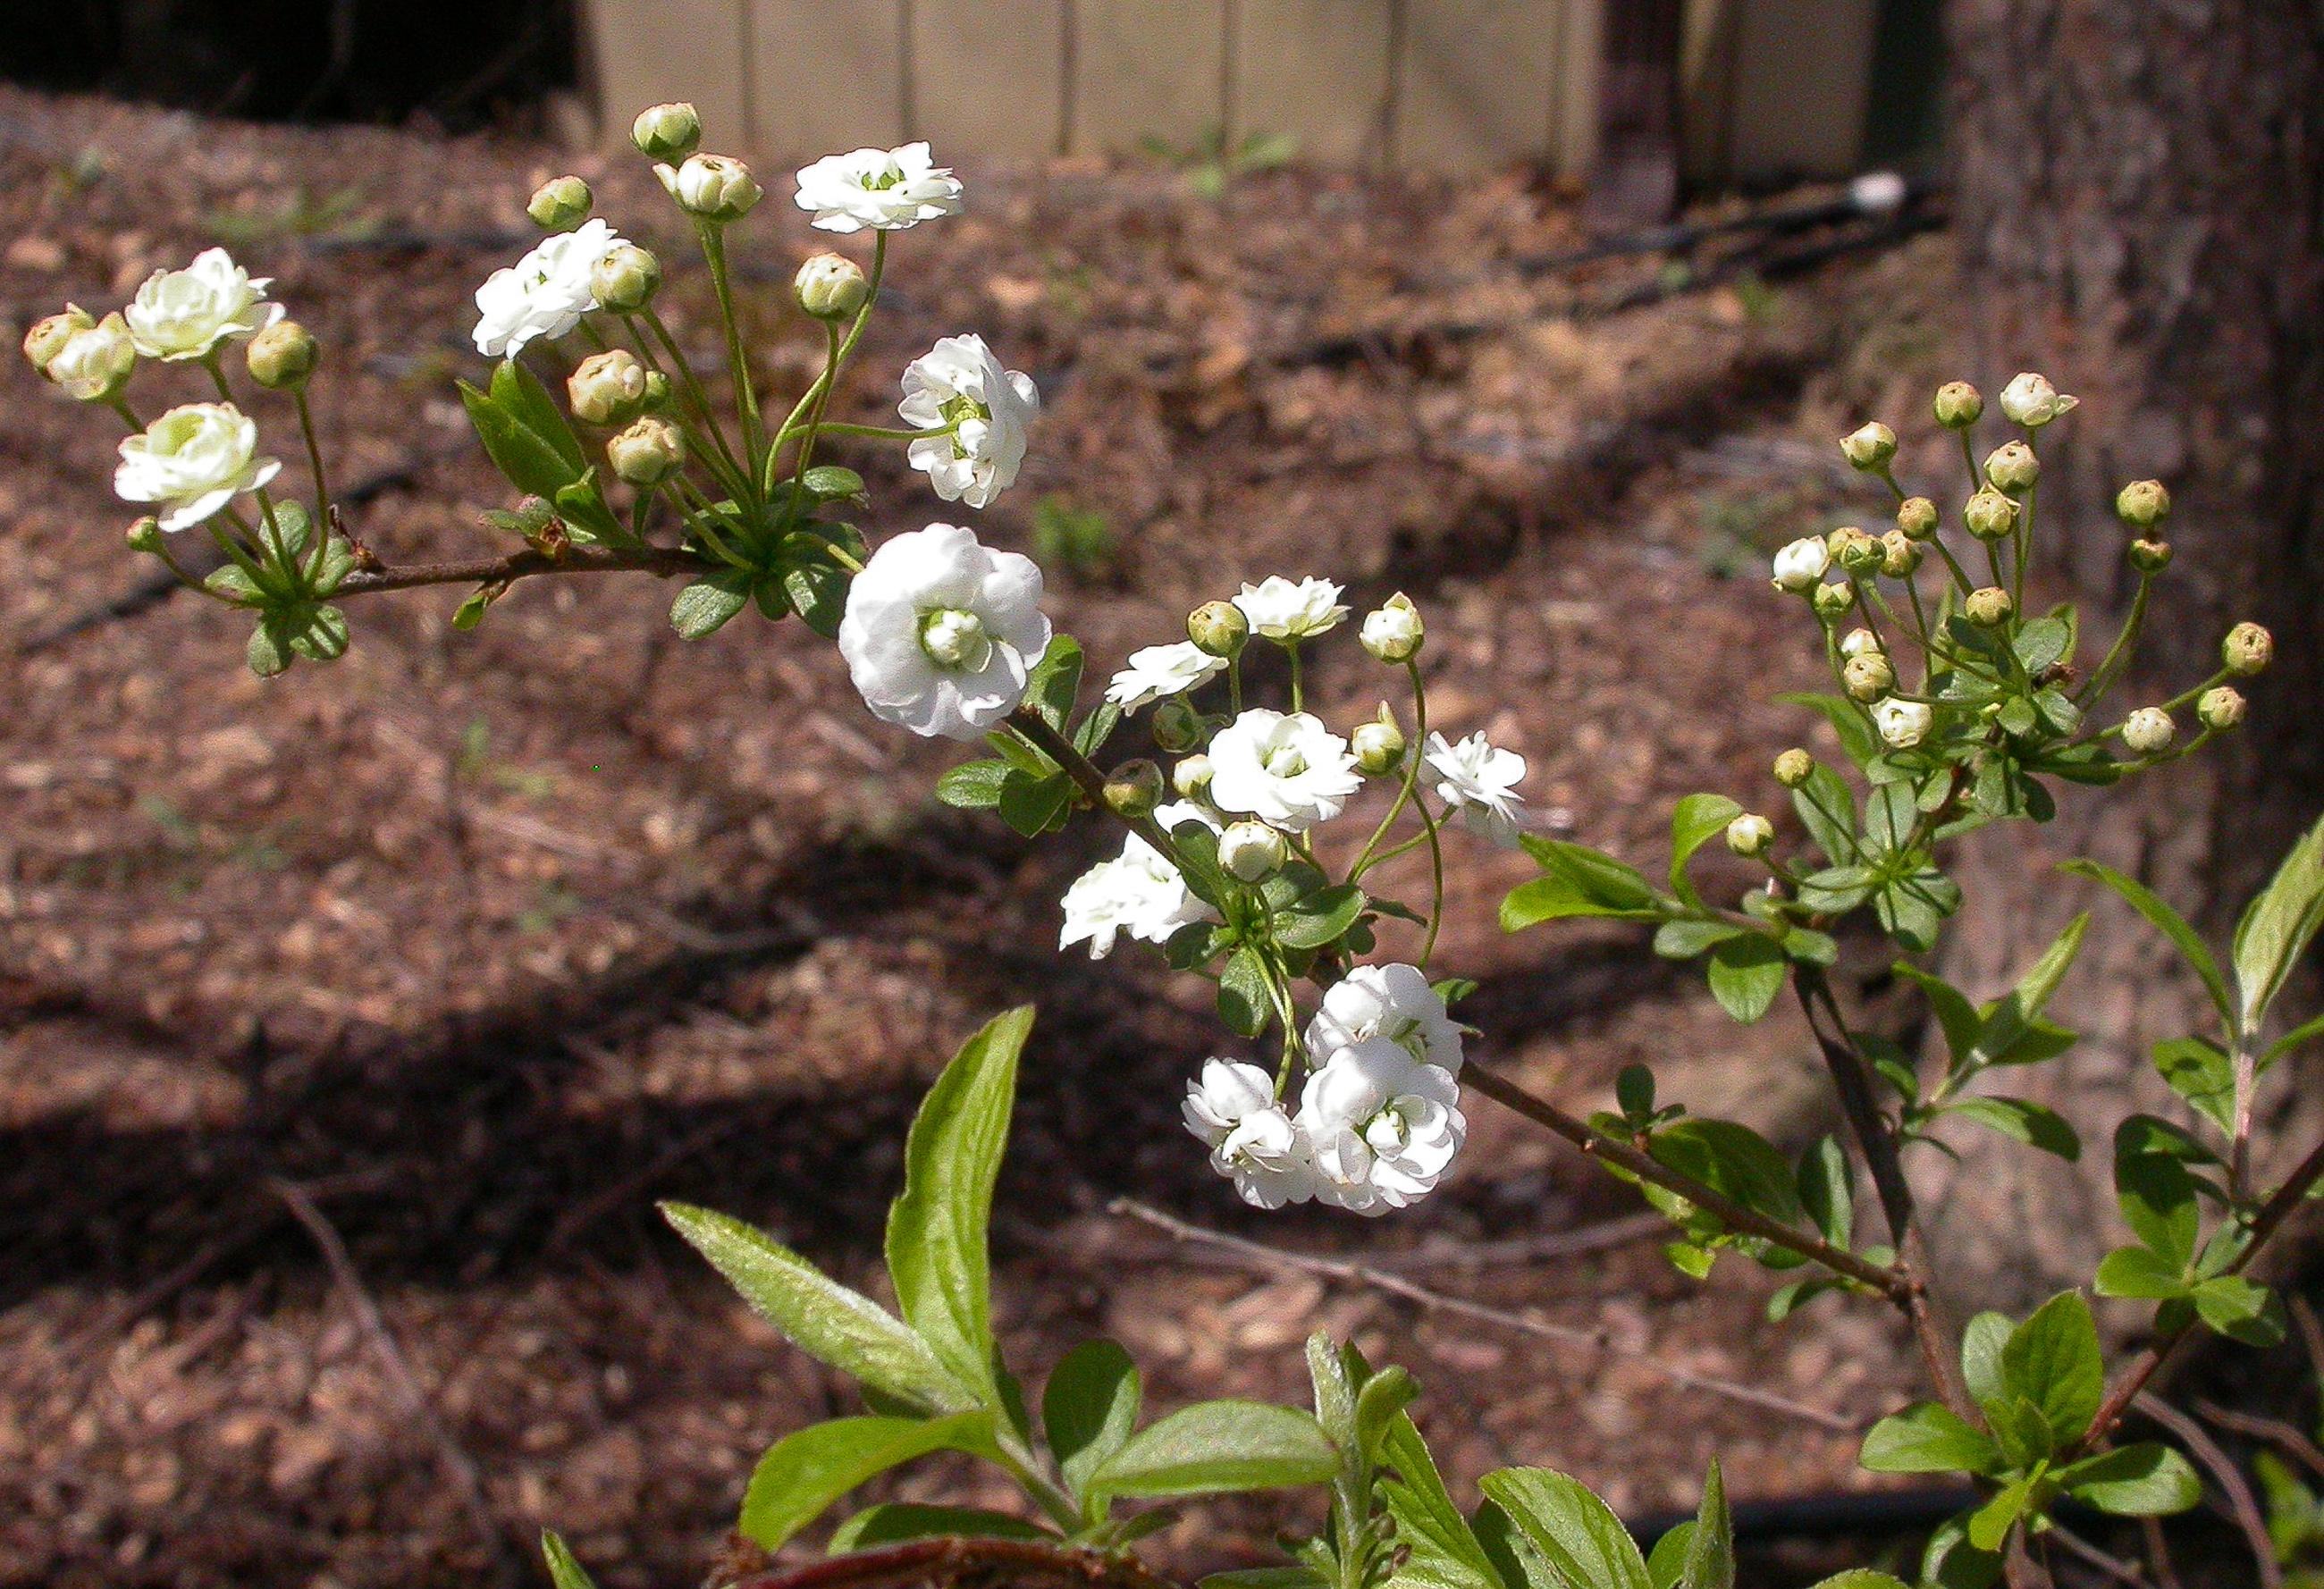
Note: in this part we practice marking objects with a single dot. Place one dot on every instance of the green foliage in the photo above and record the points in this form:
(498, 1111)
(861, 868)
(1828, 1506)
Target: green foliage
(1079, 540)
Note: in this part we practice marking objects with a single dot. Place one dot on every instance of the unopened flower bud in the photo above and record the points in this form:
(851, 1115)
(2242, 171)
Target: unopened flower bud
(96, 361)
(1793, 767)
(1392, 632)
(715, 187)
(626, 279)
(1379, 744)
(1868, 677)
(1251, 851)
(283, 355)
(1989, 515)
(1802, 562)
(2142, 503)
(1191, 777)
(2220, 707)
(2012, 467)
(666, 132)
(1176, 726)
(2029, 399)
(1856, 551)
(647, 453)
(560, 204)
(2148, 730)
(2247, 649)
(49, 335)
(1958, 406)
(1903, 724)
(145, 535)
(607, 388)
(1869, 447)
(1856, 642)
(1219, 628)
(1134, 788)
(1988, 608)
(1832, 603)
(2150, 557)
(658, 390)
(1750, 834)
(1917, 517)
(1900, 555)
(831, 286)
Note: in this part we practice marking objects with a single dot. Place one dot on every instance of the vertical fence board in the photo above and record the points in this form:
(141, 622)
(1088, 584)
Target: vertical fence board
(1318, 70)
(1476, 82)
(1147, 67)
(1803, 81)
(1579, 72)
(637, 65)
(827, 76)
(988, 77)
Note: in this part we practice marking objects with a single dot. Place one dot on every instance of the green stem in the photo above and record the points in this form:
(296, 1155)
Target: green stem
(690, 384)
(869, 432)
(1435, 884)
(2119, 655)
(1298, 699)
(1414, 754)
(713, 249)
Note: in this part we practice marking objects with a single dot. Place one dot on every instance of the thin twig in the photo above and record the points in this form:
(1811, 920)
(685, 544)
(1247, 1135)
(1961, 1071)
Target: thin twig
(2158, 1553)
(2240, 1501)
(2113, 1566)
(944, 1562)
(1601, 1237)
(2274, 1431)
(1266, 1257)
(654, 560)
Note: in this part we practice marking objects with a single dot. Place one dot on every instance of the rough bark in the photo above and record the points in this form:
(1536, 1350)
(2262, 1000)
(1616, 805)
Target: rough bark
(2137, 198)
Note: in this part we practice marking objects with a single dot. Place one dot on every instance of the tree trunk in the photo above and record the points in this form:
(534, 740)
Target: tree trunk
(2138, 195)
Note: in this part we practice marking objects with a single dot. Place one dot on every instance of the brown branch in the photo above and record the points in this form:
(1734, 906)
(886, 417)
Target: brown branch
(1267, 1257)
(2241, 1504)
(1898, 1288)
(660, 561)
(2274, 1431)
(945, 1562)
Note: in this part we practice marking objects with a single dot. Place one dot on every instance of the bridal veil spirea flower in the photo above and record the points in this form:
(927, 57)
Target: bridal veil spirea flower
(1802, 562)
(940, 632)
(1903, 724)
(1252, 1139)
(1139, 891)
(886, 189)
(1381, 1127)
(959, 383)
(1278, 610)
(191, 462)
(1394, 1002)
(543, 294)
(1156, 672)
(184, 314)
(1478, 784)
(1285, 768)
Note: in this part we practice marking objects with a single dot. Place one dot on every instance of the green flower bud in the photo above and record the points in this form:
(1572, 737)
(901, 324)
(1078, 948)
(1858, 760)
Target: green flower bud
(1989, 515)
(1793, 767)
(1191, 777)
(1253, 851)
(626, 279)
(1134, 788)
(831, 287)
(1988, 608)
(717, 188)
(607, 389)
(1917, 517)
(1869, 676)
(1957, 405)
(2148, 732)
(656, 391)
(1750, 834)
(2143, 504)
(1868, 447)
(1176, 726)
(647, 453)
(1219, 628)
(145, 535)
(49, 335)
(1832, 603)
(1900, 555)
(2150, 557)
(1379, 744)
(2247, 649)
(1856, 551)
(2220, 707)
(666, 132)
(2013, 468)
(1393, 632)
(283, 355)
(560, 204)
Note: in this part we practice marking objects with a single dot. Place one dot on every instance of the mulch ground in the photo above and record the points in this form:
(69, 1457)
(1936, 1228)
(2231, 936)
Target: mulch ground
(484, 943)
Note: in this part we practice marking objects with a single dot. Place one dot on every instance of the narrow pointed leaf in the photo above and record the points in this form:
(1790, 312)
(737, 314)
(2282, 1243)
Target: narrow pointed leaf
(1215, 1447)
(1584, 1543)
(803, 1473)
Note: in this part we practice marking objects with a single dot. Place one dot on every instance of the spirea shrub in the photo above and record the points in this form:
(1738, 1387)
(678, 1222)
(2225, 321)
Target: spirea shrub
(1345, 1075)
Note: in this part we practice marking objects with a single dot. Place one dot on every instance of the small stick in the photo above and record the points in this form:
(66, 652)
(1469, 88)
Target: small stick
(945, 1562)
(2274, 1431)
(2231, 1478)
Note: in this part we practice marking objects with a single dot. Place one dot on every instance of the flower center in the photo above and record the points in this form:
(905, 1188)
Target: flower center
(957, 410)
(879, 181)
(955, 638)
(1285, 761)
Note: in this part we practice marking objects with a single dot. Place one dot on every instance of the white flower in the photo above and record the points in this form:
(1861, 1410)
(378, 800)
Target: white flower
(2029, 399)
(95, 361)
(1278, 609)
(184, 314)
(940, 632)
(1394, 1002)
(1382, 1129)
(191, 462)
(543, 294)
(958, 381)
(1902, 723)
(1232, 1107)
(1139, 891)
(1478, 784)
(888, 189)
(1392, 633)
(1287, 769)
(1802, 562)
(1157, 671)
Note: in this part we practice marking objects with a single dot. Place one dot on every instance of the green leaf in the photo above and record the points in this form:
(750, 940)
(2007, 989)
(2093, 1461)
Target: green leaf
(269, 650)
(1982, 1340)
(1583, 1542)
(703, 607)
(1861, 1578)
(937, 1225)
(814, 583)
(1683, 940)
(1615, 887)
(2166, 921)
(2052, 1360)
(522, 432)
(1925, 1438)
(1828, 1189)
(1321, 917)
(1951, 1562)
(1711, 1552)
(1667, 1559)
(2277, 926)
(229, 581)
(973, 785)
(2306, 1032)
(2035, 1125)
(2136, 1271)
(803, 1473)
(1734, 1160)
(2042, 642)
(2011, 1016)
(892, 1522)
(1847, 718)
(1054, 680)
(2197, 1071)
(1097, 728)
(2241, 1309)
(2156, 1195)
(1747, 973)
(1216, 1447)
(1282, 1578)
(1030, 805)
(1381, 1400)
(564, 1570)
(1445, 1553)
(1089, 1408)
(832, 483)
(2143, 1480)
(1828, 809)
(1956, 1016)
(1989, 1524)
(1550, 899)
(1695, 821)
(1244, 1004)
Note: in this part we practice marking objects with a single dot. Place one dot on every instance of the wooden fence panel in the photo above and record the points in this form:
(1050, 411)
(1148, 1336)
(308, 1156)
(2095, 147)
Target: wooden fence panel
(986, 76)
(1316, 69)
(826, 76)
(648, 54)
(1144, 66)
(1476, 83)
